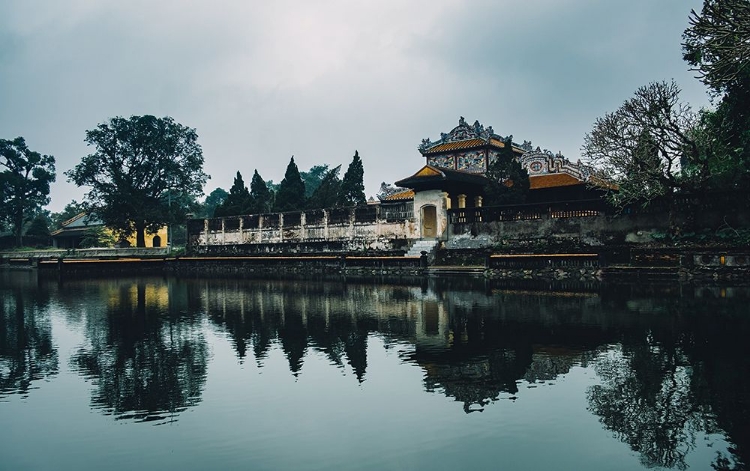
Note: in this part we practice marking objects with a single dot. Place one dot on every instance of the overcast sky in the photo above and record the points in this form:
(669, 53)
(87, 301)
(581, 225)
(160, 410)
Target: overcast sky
(262, 81)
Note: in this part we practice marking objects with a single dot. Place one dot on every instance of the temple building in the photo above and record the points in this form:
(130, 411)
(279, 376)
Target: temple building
(453, 176)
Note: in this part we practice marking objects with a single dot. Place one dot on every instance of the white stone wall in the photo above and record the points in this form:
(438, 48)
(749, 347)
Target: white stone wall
(375, 232)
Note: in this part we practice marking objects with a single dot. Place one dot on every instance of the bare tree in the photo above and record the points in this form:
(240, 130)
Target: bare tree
(717, 43)
(648, 146)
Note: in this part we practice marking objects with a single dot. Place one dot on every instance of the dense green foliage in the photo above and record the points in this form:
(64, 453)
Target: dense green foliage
(508, 180)
(291, 193)
(24, 183)
(141, 166)
(212, 201)
(238, 201)
(261, 197)
(352, 192)
(717, 45)
(326, 195)
(313, 178)
(97, 236)
(38, 227)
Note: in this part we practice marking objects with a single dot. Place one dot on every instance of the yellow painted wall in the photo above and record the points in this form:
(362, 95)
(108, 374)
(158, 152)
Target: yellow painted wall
(162, 233)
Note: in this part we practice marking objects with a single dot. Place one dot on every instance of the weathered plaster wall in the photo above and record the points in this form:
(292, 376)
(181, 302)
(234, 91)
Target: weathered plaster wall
(348, 230)
(593, 231)
(435, 198)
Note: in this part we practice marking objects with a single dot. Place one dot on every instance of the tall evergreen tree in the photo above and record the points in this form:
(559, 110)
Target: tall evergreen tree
(508, 180)
(326, 195)
(238, 202)
(261, 196)
(291, 193)
(353, 186)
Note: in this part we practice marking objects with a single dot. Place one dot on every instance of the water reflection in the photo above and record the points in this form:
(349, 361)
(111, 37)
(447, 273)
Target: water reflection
(146, 356)
(684, 373)
(664, 358)
(27, 353)
(672, 363)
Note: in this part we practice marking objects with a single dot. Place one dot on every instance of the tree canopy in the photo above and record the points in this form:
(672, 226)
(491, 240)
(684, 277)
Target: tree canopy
(352, 191)
(139, 168)
(291, 193)
(260, 196)
(212, 201)
(717, 45)
(648, 146)
(313, 178)
(326, 195)
(24, 182)
(237, 202)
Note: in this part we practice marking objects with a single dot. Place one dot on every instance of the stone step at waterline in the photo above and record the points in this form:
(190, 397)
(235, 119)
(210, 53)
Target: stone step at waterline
(420, 246)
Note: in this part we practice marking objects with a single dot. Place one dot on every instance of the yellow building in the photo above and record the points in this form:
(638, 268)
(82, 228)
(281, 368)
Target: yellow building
(76, 229)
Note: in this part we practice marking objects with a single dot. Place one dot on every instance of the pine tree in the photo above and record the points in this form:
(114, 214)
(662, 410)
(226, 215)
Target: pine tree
(327, 193)
(508, 180)
(238, 202)
(353, 186)
(291, 193)
(260, 195)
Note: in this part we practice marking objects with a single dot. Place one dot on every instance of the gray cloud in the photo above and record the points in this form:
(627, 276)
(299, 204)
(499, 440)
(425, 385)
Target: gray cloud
(261, 81)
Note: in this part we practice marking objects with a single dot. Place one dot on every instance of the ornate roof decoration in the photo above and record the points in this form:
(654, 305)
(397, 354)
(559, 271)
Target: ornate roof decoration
(543, 162)
(391, 192)
(464, 135)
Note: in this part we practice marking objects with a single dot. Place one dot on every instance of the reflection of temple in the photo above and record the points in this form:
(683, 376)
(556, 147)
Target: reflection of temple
(467, 350)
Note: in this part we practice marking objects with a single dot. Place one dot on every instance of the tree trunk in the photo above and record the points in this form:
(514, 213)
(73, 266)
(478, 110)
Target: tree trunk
(140, 235)
(18, 228)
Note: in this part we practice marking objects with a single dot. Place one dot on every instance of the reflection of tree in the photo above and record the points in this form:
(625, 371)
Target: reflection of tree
(646, 399)
(322, 318)
(720, 354)
(27, 353)
(685, 370)
(147, 360)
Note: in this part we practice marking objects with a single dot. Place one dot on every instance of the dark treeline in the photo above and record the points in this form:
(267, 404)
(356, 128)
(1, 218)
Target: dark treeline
(320, 187)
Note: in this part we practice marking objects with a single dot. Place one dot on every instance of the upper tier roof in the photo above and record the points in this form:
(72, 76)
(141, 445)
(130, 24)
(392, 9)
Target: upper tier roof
(465, 136)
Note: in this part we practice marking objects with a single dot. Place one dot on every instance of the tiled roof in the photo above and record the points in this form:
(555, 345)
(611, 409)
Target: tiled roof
(401, 195)
(552, 180)
(81, 220)
(428, 173)
(497, 142)
(448, 146)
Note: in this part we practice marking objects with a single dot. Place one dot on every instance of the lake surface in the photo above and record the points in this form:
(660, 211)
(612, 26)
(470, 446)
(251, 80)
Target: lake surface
(405, 374)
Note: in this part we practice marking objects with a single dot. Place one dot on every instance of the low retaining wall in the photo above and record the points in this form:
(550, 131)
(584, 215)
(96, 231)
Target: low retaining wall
(357, 228)
(383, 247)
(233, 265)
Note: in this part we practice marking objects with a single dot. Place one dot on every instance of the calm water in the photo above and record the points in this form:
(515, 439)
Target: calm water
(155, 373)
